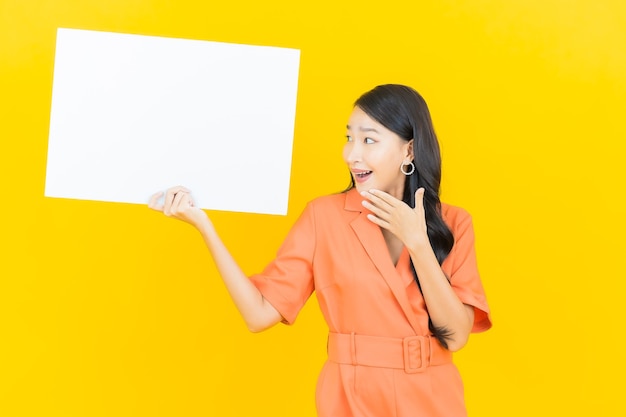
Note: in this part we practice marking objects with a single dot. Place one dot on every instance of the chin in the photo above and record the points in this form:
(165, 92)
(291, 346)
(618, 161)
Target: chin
(362, 187)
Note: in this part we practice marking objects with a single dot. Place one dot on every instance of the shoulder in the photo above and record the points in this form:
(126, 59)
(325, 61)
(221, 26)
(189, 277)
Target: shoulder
(455, 217)
(328, 202)
(327, 210)
(338, 198)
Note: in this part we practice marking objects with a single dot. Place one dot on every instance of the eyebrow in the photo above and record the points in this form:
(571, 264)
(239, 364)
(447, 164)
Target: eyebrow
(364, 129)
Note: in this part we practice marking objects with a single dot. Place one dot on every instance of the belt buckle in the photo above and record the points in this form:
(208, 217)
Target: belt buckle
(415, 354)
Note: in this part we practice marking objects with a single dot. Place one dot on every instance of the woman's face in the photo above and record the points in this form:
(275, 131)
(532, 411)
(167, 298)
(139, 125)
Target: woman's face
(374, 155)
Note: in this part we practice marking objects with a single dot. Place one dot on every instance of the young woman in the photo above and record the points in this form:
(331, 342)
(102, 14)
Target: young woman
(394, 269)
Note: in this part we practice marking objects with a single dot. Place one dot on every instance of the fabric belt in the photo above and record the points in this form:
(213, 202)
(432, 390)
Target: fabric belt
(413, 354)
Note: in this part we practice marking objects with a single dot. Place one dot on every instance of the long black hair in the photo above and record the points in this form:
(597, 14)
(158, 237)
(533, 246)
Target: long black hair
(402, 110)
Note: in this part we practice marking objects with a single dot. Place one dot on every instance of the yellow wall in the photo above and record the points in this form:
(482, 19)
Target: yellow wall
(113, 310)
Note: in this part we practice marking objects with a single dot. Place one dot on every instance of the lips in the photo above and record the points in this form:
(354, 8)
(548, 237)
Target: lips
(361, 175)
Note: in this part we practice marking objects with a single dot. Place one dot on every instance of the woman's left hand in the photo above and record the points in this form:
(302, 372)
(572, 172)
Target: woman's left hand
(406, 223)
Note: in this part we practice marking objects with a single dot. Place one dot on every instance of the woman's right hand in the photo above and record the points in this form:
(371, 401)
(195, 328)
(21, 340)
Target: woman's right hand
(258, 313)
(178, 203)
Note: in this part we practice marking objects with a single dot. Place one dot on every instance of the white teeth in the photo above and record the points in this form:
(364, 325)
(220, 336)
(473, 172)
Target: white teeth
(362, 174)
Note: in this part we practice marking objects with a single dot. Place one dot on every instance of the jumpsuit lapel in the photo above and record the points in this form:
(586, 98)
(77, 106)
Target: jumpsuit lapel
(373, 242)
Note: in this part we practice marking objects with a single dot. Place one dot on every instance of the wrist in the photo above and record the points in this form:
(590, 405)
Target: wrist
(421, 249)
(204, 226)
(419, 243)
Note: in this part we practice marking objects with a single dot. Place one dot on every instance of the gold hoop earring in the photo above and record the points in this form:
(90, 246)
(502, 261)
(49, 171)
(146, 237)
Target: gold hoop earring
(412, 169)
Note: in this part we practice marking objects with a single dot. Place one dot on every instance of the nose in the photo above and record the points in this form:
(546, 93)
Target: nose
(352, 153)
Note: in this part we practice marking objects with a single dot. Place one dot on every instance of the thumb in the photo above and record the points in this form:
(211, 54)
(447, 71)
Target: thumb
(419, 198)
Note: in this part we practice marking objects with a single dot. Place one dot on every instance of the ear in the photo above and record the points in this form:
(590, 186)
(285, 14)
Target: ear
(409, 150)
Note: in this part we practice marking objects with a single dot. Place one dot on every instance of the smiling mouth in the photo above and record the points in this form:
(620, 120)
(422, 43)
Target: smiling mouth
(361, 176)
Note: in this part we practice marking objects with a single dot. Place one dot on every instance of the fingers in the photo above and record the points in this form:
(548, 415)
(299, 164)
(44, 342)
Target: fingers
(382, 205)
(374, 207)
(171, 193)
(187, 200)
(153, 203)
(380, 198)
(378, 221)
(174, 199)
(177, 200)
(419, 198)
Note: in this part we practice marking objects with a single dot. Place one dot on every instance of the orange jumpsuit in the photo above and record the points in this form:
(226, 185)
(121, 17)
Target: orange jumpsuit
(382, 360)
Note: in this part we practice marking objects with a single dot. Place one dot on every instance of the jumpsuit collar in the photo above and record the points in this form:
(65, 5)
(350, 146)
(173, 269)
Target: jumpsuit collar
(371, 237)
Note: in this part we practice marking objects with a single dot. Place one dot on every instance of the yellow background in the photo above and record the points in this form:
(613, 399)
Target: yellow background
(114, 310)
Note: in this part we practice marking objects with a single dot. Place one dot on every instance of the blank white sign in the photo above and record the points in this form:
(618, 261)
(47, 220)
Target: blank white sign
(132, 115)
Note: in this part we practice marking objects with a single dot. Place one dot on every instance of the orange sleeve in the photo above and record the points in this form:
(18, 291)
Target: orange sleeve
(287, 282)
(462, 269)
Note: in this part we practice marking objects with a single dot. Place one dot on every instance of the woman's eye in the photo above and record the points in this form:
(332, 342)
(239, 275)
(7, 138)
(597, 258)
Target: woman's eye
(349, 138)
(369, 140)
